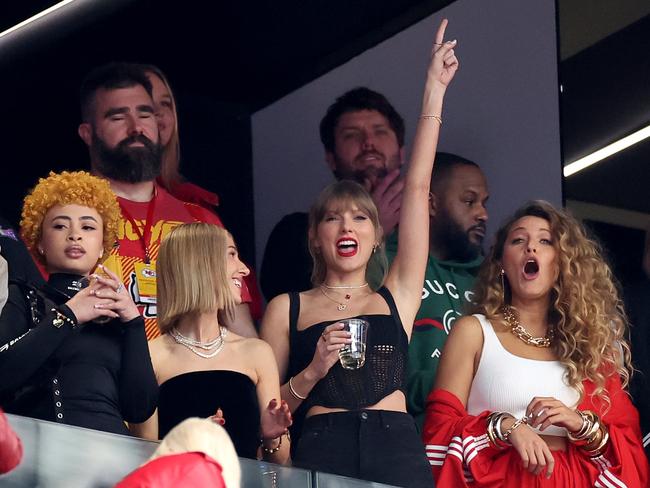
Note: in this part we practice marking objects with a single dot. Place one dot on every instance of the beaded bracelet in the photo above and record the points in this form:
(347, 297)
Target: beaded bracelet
(61, 319)
(272, 450)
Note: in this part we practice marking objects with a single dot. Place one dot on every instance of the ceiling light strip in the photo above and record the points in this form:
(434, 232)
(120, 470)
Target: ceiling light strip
(607, 151)
(33, 18)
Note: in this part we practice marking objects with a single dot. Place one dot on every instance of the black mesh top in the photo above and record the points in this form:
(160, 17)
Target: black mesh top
(383, 373)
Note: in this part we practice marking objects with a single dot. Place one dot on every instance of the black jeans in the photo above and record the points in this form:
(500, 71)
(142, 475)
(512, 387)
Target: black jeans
(373, 445)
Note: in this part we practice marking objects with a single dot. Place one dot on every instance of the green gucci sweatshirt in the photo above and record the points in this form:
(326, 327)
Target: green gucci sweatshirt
(445, 296)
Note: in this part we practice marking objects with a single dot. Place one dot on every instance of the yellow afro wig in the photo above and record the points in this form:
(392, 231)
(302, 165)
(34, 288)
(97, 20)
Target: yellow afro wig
(69, 188)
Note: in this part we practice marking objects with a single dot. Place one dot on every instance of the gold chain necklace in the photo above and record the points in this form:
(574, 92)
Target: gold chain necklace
(340, 305)
(519, 330)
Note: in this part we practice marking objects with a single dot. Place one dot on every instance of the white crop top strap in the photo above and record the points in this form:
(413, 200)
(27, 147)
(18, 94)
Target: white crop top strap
(505, 382)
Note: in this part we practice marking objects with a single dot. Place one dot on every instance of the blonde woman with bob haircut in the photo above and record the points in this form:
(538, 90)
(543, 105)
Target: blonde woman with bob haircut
(203, 369)
(531, 388)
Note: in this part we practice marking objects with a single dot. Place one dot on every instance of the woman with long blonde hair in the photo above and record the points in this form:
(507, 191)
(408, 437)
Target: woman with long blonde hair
(530, 390)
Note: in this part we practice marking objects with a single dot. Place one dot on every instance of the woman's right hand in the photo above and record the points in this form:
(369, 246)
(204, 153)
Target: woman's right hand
(444, 64)
(533, 450)
(84, 305)
(331, 340)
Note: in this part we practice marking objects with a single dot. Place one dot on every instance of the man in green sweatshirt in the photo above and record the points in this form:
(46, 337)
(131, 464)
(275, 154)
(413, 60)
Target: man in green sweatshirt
(457, 227)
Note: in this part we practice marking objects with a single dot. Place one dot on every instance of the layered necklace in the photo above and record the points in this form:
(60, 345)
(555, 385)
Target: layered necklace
(340, 305)
(520, 331)
(212, 347)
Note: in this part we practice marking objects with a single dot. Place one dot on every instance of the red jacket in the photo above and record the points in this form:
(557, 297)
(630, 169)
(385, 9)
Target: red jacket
(11, 449)
(461, 455)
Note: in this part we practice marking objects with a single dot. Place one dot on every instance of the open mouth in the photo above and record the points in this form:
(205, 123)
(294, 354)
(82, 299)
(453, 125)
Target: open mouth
(237, 282)
(531, 269)
(370, 156)
(347, 247)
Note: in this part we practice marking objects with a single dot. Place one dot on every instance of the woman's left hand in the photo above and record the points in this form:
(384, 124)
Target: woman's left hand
(546, 411)
(276, 419)
(113, 289)
(444, 64)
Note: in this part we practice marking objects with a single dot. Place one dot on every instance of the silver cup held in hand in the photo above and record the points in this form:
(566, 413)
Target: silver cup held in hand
(353, 355)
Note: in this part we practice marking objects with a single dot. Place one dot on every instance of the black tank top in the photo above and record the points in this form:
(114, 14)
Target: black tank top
(383, 373)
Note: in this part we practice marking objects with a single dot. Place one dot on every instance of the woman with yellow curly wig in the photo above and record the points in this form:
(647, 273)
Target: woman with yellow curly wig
(530, 389)
(60, 360)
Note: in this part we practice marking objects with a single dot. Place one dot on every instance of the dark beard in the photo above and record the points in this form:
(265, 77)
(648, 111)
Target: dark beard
(361, 176)
(369, 174)
(127, 164)
(455, 240)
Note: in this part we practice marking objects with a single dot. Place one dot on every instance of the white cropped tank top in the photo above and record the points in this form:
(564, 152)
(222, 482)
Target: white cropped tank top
(507, 383)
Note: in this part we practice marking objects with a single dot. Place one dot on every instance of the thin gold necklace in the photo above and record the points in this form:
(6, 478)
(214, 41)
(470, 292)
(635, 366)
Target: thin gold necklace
(340, 305)
(511, 318)
(344, 287)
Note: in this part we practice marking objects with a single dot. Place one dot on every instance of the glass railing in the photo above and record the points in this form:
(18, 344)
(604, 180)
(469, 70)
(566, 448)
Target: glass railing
(57, 455)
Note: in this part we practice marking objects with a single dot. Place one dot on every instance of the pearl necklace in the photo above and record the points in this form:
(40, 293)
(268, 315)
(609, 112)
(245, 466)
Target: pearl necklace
(520, 331)
(214, 346)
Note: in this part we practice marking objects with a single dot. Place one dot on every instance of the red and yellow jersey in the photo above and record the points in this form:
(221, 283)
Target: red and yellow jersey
(129, 254)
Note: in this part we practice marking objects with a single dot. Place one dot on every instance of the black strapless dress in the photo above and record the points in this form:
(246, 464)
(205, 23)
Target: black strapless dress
(201, 393)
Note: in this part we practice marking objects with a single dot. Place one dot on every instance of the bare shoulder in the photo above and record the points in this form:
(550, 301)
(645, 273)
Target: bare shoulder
(259, 356)
(466, 332)
(277, 312)
(255, 347)
(158, 347)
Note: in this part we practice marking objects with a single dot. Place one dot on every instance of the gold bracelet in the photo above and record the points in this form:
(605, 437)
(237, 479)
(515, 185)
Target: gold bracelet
(584, 428)
(518, 422)
(293, 391)
(588, 433)
(431, 116)
(271, 450)
(493, 423)
(598, 450)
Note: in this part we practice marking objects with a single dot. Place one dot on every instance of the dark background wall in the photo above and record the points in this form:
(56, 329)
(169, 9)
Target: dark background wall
(225, 61)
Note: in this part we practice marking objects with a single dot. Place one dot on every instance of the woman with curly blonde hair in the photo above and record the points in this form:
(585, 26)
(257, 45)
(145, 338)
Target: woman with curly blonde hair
(60, 359)
(530, 389)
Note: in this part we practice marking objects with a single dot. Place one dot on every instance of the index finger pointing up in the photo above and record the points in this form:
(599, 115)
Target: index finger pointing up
(440, 35)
